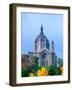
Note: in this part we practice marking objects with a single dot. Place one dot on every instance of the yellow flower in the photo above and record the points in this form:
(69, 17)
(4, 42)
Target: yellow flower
(43, 69)
(31, 74)
(38, 72)
(42, 72)
(61, 69)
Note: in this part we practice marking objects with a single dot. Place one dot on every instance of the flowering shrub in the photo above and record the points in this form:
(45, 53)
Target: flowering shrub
(42, 71)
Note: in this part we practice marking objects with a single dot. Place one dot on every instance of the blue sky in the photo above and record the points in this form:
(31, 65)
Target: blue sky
(52, 28)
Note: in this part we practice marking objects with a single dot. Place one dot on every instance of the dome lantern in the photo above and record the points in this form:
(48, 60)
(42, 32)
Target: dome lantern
(41, 29)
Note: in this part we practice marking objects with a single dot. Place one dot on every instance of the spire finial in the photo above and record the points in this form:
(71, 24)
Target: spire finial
(41, 28)
(53, 47)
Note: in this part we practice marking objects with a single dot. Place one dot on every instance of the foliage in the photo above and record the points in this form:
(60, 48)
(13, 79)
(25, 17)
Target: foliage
(60, 62)
(58, 71)
(51, 70)
(42, 71)
(25, 72)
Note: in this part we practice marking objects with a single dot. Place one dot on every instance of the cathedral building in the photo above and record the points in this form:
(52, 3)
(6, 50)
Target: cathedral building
(44, 50)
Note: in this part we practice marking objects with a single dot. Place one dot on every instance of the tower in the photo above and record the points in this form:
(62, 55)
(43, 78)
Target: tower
(54, 57)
